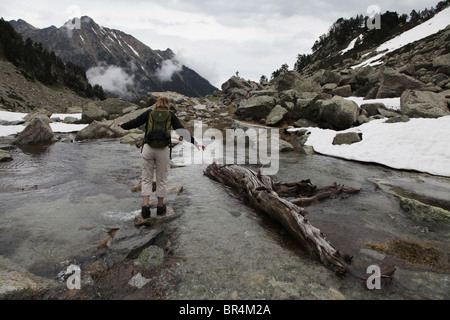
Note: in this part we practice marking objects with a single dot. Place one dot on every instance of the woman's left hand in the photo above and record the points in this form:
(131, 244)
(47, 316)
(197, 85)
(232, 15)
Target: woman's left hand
(199, 146)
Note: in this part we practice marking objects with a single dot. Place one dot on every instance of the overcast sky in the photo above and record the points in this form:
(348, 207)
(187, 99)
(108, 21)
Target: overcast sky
(216, 38)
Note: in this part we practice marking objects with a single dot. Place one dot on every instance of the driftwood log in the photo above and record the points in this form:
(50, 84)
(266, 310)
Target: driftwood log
(262, 194)
(258, 190)
(306, 193)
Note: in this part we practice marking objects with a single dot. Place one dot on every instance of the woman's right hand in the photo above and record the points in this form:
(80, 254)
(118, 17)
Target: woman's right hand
(120, 124)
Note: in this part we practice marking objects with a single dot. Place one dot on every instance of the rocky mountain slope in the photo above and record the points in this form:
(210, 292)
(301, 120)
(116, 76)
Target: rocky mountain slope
(106, 53)
(19, 94)
(417, 73)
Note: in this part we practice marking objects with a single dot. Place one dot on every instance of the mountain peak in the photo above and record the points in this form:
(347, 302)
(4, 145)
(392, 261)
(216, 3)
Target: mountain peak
(124, 66)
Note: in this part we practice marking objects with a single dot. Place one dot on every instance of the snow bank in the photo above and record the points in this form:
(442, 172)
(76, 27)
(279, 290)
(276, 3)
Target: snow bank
(12, 116)
(420, 144)
(57, 127)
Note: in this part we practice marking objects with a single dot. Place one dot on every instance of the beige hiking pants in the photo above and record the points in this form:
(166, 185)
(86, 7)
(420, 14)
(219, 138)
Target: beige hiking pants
(154, 158)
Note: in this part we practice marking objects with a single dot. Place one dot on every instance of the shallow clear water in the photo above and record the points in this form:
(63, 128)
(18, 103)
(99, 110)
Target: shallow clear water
(57, 203)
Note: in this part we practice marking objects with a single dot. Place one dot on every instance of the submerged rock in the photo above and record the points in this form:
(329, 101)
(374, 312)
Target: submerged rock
(423, 211)
(150, 257)
(19, 284)
(128, 243)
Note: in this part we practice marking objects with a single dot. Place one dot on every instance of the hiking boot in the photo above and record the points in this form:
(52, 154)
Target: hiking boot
(161, 210)
(145, 212)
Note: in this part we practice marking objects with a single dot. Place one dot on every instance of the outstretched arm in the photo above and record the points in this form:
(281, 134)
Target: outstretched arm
(135, 123)
(176, 125)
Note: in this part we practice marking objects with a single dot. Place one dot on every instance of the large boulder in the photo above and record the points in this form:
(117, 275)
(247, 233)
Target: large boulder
(236, 83)
(305, 107)
(330, 76)
(372, 108)
(276, 116)
(256, 108)
(343, 91)
(98, 130)
(423, 104)
(92, 112)
(293, 80)
(442, 63)
(393, 84)
(37, 131)
(114, 108)
(338, 113)
(109, 128)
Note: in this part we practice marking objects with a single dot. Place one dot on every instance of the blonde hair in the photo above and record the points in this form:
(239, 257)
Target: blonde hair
(162, 102)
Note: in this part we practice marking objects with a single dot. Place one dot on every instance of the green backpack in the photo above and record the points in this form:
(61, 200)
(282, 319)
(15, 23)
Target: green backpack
(158, 129)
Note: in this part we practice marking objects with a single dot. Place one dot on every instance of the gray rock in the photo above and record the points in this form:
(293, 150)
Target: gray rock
(387, 113)
(289, 95)
(150, 257)
(363, 119)
(442, 61)
(423, 104)
(138, 281)
(398, 118)
(293, 80)
(304, 123)
(5, 156)
(305, 107)
(236, 83)
(329, 87)
(372, 108)
(70, 119)
(97, 130)
(115, 107)
(132, 138)
(92, 112)
(330, 77)
(393, 84)
(129, 242)
(37, 131)
(285, 146)
(339, 113)
(109, 128)
(347, 138)
(269, 92)
(343, 91)
(276, 116)
(256, 107)
(424, 212)
(19, 284)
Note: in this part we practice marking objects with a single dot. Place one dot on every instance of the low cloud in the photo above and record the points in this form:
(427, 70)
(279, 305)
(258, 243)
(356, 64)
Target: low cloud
(113, 79)
(168, 68)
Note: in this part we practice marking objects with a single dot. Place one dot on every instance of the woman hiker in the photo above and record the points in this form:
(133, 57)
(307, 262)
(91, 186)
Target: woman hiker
(155, 153)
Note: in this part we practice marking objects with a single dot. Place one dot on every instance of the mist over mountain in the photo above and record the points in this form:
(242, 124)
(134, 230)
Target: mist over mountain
(124, 66)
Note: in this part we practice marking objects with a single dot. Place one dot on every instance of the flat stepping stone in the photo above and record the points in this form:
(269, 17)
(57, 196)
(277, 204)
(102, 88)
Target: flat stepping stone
(153, 220)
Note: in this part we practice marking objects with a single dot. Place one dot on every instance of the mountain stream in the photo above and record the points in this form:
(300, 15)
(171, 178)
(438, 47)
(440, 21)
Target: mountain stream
(58, 201)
